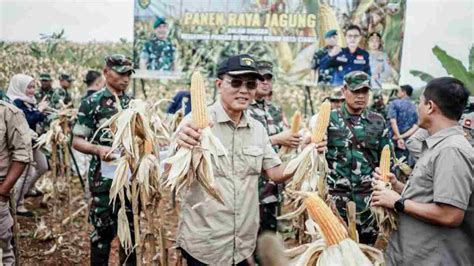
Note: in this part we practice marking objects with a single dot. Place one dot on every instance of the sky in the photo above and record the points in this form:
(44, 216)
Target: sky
(446, 23)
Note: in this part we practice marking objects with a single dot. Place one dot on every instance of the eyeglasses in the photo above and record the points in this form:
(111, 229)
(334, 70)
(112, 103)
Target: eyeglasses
(237, 83)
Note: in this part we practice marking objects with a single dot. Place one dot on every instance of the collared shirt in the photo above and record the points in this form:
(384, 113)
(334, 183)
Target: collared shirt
(443, 174)
(345, 62)
(219, 234)
(404, 111)
(15, 138)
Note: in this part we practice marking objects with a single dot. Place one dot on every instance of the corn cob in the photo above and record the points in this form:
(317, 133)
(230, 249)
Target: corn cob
(198, 101)
(332, 230)
(323, 121)
(296, 122)
(385, 163)
(328, 21)
(285, 55)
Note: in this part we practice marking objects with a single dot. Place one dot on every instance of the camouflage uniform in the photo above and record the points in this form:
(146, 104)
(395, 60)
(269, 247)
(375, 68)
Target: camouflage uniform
(60, 95)
(269, 193)
(350, 174)
(381, 109)
(159, 54)
(42, 93)
(93, 112)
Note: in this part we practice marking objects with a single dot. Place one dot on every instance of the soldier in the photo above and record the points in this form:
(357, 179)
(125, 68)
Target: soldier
(94, 82)
(61, 95)
(15, 154)
(324, 74)
(271, 117)
(336, 99)
(348, 59)
(46, 90)
(158, 52)
(356, 137)
(378, 104)
(93, 112)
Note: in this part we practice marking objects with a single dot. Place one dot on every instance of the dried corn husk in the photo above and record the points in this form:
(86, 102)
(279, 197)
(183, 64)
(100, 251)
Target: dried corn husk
(385, 218)
(309, 167)
(336, 248)
(188, 166)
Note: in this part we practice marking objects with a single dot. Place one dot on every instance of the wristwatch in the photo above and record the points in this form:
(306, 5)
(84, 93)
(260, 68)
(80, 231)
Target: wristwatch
(400, 205)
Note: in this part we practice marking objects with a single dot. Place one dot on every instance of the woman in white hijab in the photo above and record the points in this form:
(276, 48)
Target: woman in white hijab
(21, 92)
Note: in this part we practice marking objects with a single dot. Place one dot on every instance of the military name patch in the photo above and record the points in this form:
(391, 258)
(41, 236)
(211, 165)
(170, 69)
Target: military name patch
(357, 61)
(341, 59)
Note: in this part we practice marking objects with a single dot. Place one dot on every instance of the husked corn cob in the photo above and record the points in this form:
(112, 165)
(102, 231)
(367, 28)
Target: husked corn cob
(198, 101)
(323, 121)
(296, 122)
(285, 55)
(385, 163)
(328, 21)
(332, 230)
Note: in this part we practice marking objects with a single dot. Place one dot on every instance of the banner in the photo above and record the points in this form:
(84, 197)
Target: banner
(174, 37)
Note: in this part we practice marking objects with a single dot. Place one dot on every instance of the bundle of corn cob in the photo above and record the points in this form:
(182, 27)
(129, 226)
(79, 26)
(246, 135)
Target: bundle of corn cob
(335, 248)
(385, 217)
(328, 21)
(188, 166)
(286, 152)
(137, 173)
(310, 168)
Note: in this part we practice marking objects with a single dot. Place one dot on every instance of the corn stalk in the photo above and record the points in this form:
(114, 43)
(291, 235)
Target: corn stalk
(136, 177)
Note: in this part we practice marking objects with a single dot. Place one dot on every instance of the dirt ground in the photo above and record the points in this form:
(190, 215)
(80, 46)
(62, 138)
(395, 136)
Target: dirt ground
(56, 244)
(43, 240)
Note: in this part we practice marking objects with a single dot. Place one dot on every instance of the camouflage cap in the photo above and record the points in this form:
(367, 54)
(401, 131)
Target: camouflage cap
(330, 33)
(336, 94)
(119, 63)
(66, 76)
(357, 80)
(265, 67)
(377, 95)
(45, 76)
(158, 22)
(467, 120)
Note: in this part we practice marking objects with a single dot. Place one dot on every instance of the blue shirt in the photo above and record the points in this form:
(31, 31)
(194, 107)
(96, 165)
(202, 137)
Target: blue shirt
(178, 101)
(404, 111)
(32, 114)
(345, 62)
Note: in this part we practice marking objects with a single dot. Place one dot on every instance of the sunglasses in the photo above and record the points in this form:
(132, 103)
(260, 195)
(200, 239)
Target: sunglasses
(237, 83)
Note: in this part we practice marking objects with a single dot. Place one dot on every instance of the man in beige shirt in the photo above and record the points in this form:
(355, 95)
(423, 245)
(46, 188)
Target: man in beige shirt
(15, 153)
(209, 232)
(436, 205)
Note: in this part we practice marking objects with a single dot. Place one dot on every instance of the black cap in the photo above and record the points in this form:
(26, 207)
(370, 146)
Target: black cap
(65, 76)
(239, 65)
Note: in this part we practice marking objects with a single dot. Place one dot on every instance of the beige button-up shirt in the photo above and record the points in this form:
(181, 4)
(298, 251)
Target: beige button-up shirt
(219, 234)
(15, 137)
(443, 174)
